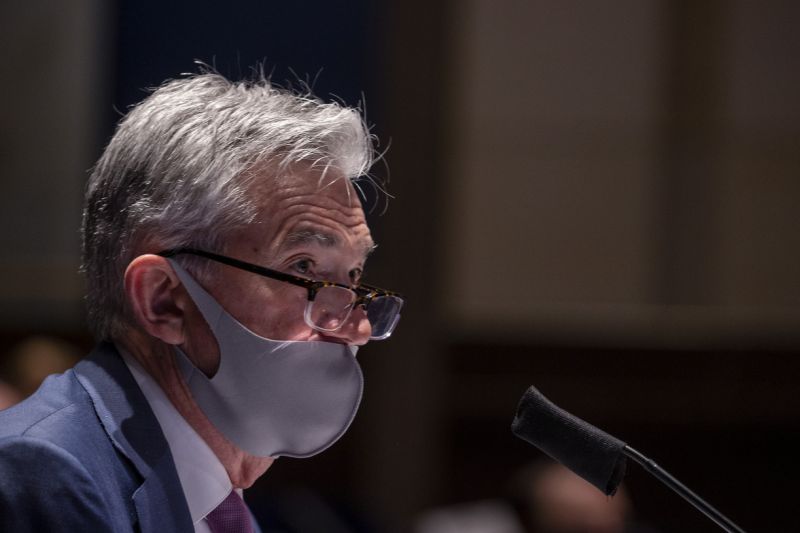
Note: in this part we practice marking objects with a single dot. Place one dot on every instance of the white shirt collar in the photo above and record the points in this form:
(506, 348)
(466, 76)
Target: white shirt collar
(204, 480)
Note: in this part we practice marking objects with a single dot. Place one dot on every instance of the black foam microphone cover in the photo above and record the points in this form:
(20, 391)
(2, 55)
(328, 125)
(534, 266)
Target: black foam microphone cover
(591, 453)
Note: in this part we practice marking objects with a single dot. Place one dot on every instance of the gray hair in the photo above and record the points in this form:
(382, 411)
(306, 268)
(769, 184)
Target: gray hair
(179, 167)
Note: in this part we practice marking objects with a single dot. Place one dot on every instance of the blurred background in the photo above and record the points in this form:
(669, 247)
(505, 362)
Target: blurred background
(598, 198)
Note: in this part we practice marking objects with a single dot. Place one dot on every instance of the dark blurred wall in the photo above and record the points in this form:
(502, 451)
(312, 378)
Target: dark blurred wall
(631, 166)
(619, 230)
(329, 45)
(53, 78)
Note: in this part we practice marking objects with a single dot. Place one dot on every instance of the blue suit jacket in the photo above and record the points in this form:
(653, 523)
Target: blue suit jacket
(86, 453)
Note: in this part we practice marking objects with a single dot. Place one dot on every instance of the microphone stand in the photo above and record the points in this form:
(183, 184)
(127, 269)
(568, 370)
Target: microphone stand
(682, 490)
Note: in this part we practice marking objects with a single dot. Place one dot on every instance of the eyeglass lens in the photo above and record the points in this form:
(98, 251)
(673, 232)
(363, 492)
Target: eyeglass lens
(383, 313)
(330, 308)
(332, 305)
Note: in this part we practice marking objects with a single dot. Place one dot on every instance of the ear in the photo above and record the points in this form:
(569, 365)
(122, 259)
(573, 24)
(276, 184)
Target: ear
(156, 298)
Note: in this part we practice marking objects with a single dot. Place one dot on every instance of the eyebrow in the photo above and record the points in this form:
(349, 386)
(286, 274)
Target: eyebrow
(308, 237)
(327, 240)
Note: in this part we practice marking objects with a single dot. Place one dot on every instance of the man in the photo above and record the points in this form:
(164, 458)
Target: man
(224, 246)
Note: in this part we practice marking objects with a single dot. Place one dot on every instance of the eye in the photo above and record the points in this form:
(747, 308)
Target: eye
(303, 266)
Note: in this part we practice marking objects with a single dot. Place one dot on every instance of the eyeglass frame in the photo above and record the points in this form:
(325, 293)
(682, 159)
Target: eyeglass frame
(364, 293)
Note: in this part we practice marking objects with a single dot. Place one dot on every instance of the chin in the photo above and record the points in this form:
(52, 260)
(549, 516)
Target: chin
(251, 469)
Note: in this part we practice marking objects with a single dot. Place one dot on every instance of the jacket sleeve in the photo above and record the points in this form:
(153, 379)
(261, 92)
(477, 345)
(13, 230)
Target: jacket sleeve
(43, 488)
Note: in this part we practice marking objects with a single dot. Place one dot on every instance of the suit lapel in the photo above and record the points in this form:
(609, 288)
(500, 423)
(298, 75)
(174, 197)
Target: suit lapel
(132, 427)
(162, 506)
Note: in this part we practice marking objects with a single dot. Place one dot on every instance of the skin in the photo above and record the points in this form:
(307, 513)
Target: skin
(565, 502)
(305, 227)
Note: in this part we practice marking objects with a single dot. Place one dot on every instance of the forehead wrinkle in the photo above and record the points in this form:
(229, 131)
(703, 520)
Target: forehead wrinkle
(293, 206)
(297, 233)
(307, 211)
(299, 220)
(299, 212)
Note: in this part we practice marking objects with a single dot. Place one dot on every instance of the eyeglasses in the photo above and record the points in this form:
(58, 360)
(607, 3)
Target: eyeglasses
(329, 303)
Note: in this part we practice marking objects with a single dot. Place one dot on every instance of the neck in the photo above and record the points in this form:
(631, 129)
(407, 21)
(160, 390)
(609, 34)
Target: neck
(158, 360)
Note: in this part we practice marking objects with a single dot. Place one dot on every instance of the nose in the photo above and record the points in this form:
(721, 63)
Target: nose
(354, 332)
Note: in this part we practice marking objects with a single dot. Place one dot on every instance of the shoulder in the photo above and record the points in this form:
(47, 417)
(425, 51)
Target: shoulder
(74, 456)
(45, 488)
(59, 468)
(60, 411)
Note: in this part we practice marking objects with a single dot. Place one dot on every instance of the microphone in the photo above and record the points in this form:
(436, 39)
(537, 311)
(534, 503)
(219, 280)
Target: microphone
(592, 453)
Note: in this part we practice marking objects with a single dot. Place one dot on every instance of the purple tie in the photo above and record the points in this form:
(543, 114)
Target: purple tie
(230, 516)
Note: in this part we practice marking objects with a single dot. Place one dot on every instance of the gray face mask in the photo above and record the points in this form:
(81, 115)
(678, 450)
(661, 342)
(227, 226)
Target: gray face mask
(272, 398)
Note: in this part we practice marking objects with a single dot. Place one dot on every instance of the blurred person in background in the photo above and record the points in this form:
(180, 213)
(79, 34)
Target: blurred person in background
(552, 499)
(224, 246)
(543, 497)
(8, 395)
(30, 361)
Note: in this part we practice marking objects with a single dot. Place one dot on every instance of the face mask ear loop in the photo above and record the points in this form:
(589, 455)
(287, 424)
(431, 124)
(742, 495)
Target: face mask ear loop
(197, 293)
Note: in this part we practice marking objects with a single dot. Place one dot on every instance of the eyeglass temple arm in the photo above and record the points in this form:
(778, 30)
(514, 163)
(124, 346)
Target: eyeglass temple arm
(255, 269)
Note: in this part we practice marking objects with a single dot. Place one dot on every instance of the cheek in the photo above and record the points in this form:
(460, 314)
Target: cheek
(284, 317)
(275, 313)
